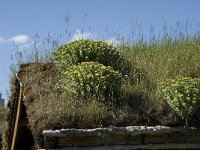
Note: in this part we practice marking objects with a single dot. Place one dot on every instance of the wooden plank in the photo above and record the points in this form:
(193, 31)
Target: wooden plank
(132, 147)
(19, 108)
(161, 138)
(193, 137)
(92, 140)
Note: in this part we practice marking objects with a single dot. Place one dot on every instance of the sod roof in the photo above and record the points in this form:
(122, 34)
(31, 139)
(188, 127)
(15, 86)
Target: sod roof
(33, 81)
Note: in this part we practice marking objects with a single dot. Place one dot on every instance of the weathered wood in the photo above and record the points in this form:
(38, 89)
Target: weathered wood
(123, 137)
(132, 147)
(16, 126)
(92, 141)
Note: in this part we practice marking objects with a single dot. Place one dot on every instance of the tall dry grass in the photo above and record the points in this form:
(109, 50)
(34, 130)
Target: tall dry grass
(148, 62)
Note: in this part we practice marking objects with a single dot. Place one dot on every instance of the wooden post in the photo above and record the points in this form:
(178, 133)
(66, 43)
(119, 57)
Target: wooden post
(16, 127)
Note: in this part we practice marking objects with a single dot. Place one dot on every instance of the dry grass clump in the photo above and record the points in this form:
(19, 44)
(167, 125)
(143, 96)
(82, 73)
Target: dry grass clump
(50, 105)
(46, 96)
(149, 65)
(153, 63)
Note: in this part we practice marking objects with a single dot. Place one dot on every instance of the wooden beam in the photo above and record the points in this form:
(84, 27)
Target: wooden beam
(19, 108)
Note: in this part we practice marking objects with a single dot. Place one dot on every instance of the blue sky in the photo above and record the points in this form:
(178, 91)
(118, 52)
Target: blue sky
(98, 19)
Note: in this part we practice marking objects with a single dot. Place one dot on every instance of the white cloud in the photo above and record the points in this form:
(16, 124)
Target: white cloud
(113, 41)
(78, 35)
(1, 39)
(19, 39)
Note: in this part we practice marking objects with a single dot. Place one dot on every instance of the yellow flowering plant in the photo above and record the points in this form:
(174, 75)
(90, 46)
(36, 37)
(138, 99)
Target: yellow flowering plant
(183, 96)
(92, 79)
(85, 51)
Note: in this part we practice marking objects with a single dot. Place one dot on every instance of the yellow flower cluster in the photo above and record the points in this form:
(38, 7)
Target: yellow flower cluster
(85, 51)
(182, 94)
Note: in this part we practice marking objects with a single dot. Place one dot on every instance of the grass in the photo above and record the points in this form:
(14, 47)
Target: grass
(147, 64)
(156, 62)
(47, 97)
